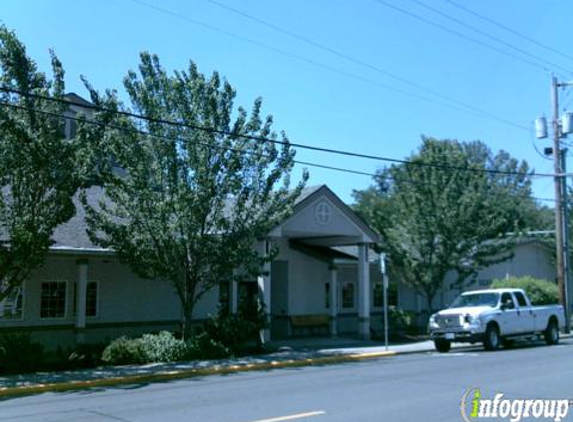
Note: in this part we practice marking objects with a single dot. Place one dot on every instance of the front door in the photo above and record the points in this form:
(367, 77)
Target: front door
(248, 295)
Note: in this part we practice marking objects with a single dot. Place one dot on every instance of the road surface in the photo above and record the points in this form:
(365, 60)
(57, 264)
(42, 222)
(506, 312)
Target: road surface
(419, 387)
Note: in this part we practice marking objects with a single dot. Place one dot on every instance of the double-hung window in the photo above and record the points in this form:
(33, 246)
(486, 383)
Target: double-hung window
(53, 299)
(12, 307)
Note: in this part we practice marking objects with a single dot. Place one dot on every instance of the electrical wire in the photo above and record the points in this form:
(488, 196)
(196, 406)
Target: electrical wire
(461, 35)
(243, 152)
(173, 138)
(270, 140)
(466, 106)
(508, 29)
(491, 37)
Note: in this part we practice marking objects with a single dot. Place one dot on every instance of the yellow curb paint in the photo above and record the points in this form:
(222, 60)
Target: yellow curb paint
(185, 373)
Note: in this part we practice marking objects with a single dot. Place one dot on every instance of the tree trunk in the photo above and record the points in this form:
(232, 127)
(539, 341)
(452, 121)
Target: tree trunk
(186, 323)
(429, 300)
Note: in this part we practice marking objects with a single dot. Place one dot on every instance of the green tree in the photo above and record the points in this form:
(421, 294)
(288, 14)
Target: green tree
(539, 291)
(441, 212)
(38, 165)
(189, 205)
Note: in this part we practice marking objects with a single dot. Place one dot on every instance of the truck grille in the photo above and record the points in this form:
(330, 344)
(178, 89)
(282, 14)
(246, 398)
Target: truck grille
(449, 321)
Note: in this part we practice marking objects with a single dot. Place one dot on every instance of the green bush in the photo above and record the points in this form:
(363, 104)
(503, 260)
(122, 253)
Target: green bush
(203, 346)
(149, 348)
(162, 347)
(83, 355)
(222, 336)
(124, 351)
(236, 331)
(19, 354)
(399, 320)
(540, 292)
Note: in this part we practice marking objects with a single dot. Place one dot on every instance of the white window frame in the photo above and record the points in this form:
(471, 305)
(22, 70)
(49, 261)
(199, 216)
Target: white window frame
(66, 303)
(3, 319)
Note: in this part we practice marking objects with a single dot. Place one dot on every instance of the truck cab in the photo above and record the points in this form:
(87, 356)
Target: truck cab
(494, 316)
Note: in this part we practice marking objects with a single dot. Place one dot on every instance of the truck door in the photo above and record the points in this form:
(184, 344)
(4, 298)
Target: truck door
(508, 318)
(525, 319)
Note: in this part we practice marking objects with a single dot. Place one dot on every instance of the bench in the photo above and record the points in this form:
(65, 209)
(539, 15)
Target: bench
(310, 324)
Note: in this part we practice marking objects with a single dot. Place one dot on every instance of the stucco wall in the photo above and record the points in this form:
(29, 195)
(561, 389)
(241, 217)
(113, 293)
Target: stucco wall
(126, 303)
(530, 259)
(307, 278)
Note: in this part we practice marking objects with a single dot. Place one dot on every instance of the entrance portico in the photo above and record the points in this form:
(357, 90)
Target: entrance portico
(304, 278)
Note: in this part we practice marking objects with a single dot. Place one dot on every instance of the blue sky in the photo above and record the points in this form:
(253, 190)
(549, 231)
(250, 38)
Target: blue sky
(342, 98)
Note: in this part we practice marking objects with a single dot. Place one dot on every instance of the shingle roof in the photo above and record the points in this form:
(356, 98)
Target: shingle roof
(73, 235)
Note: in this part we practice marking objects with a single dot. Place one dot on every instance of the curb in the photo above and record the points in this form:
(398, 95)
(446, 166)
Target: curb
(215, 370)
(185, 373)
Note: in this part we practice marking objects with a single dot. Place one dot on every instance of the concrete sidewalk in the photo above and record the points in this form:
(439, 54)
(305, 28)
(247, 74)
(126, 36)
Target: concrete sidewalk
(295, 353)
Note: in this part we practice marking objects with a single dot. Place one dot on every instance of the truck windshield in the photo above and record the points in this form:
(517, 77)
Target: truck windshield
(476, 299)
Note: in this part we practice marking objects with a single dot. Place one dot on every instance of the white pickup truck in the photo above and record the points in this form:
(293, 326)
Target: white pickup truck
(494, 317)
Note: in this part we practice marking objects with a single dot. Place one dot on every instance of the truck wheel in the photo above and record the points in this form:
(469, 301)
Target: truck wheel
(551, 334)
(442, 346)
(492, 339)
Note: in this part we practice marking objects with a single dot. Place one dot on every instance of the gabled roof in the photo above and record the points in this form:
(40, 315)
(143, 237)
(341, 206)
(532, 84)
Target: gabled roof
(72, 235)
(316, 194)
(79, 100)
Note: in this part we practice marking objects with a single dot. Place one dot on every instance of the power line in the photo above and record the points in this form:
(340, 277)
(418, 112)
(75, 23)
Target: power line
(270, 140)
(511, 30)
(466, 106)
(173, 138)
(487, 35)
(170, 138)
(459, 34)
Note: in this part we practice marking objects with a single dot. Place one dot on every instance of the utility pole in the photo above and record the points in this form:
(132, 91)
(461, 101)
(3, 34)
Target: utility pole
(566, 256)
(560, 209)
(560, 129)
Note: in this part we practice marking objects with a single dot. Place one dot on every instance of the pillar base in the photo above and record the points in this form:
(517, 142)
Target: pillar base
(364, 328)
(80, 335)
(333, 327)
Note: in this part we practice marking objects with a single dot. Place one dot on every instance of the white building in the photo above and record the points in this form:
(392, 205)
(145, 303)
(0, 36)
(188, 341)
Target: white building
(83, 293)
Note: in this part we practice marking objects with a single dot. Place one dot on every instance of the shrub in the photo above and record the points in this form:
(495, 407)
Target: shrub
(540, 292)
(124, 351)
(83, 355)
(203, 346)
(399, 320)
(86, 355)
(162, 347)
(19, 354)
(222, 336)
(149, 348)
(235, 331)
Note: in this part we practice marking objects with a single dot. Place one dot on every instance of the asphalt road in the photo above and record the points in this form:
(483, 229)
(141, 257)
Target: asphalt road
(419, 387)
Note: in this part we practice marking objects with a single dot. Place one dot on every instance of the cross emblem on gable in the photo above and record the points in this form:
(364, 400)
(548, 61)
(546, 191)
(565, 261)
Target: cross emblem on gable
(323, 213)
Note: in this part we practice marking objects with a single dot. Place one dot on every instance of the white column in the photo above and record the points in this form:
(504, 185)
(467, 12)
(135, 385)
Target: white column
(363, 292)
(333, 300)
(233, 296)
(81, 294)
(264, 283)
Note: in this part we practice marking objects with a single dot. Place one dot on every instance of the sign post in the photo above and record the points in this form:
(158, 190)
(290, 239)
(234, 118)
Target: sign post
(385, 294)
